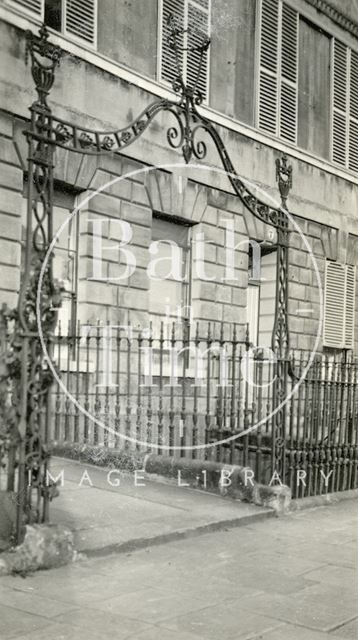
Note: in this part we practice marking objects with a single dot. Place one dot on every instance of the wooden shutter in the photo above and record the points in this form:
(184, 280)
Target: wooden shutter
(168, 69)
(339, 306)
(289, 72)
(350, 306)
(353, 103)
(333, 335)
(339, 129)
(198, 28)
(32, 7)
(345, 106)
(81, 20)
(353, 145)
(278, 72)
(268, 73)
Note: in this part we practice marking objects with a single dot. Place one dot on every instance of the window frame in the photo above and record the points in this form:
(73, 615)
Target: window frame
(186, 284)
(159, 78)
(347, 114)
(61, 198)
(278, 76)
(334, 35)
(186, 298)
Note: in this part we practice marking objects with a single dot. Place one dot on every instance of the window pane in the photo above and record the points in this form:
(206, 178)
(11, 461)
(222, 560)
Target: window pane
(53, 14)
(170, 290)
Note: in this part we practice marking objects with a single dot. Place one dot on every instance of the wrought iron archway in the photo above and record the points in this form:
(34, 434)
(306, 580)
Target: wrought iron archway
(46, 132)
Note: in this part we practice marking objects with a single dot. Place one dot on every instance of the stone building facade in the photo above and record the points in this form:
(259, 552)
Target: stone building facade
(112, 69)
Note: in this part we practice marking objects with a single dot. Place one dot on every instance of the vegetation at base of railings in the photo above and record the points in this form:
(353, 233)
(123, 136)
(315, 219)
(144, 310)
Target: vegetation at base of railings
(100, 456)
(10, 366)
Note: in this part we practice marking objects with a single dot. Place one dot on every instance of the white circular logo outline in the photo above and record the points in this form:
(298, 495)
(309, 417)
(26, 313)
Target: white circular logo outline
(99, 422)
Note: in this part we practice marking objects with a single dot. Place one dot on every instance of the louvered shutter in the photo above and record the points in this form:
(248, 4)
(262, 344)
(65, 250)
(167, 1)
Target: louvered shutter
(278, 58)
(268, 73)
(353, 125)
(339, 132)
(198, 29)
(289, 61)
(168, 68)
(339, 306)
(81, 20)
(353, 145)
(350, 306)
(333, 332)
(345, 106)
(34, 8)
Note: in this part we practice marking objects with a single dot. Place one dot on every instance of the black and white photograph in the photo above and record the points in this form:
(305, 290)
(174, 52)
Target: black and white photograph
(178, 319)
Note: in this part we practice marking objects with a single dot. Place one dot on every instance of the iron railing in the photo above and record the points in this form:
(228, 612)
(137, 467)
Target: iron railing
(201, 393)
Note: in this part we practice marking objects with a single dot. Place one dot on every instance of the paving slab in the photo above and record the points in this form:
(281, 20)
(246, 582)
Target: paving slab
(226, 621)
(107, 518)
(14, 622)
(315, 607)
(292, 632)
(36, 604)
(348, 631)
(63, 631)
(221, 585)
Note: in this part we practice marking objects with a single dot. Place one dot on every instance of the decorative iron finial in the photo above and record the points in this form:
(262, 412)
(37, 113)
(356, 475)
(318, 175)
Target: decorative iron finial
(45, 57)
(284, 178)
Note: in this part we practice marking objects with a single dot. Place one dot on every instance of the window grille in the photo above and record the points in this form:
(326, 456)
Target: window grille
(339, 306)
(194, 18)
(278, 69)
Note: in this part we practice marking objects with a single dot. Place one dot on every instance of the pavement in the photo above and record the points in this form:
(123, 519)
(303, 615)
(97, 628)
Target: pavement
(292, 578)
(139, 512)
